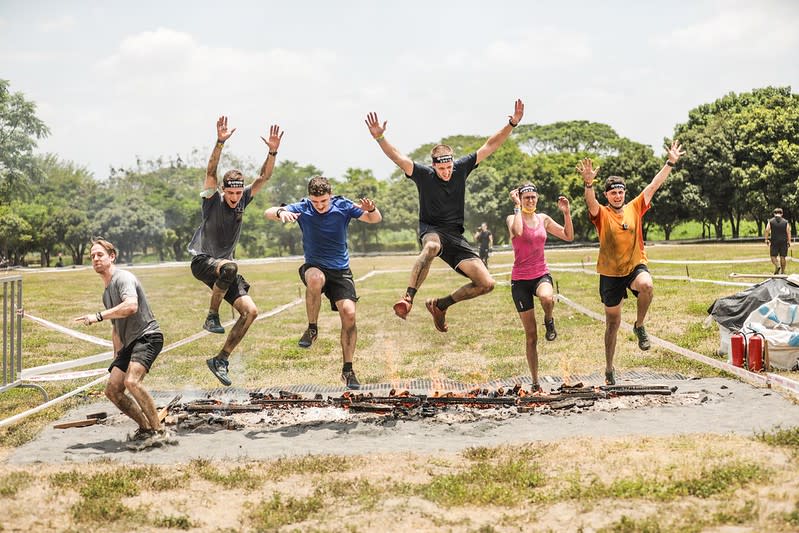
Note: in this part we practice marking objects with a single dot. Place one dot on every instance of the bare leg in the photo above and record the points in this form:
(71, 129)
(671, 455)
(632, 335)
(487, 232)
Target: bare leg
(482, 282)
(782, 264)
(612, 323)
(133, 382)
(546, 296)
(115, 391)
(531, 340)
(247, 315)
(314, 281)
(349, 332)
(775, 261)
(646, 291)
(431, 246)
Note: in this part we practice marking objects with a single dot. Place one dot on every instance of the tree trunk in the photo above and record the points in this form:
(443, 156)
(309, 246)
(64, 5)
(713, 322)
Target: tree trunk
(719, 223)
(667, 231)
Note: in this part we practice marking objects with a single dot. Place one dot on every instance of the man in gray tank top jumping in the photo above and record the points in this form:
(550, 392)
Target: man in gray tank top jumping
(214, 243)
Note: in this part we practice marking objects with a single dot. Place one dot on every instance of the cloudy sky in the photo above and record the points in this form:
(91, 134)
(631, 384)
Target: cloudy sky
(116, 80)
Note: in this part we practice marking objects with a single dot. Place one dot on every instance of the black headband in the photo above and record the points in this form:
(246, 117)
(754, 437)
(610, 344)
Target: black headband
(442, 158)
(233, 183)
(527, 188)
(611, 186)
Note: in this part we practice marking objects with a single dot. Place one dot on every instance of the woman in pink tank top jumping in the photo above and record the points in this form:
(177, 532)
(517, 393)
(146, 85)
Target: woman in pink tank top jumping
(530, 276)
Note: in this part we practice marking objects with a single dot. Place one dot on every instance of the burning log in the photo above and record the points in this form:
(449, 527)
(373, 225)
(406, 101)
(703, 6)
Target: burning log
(202, 407)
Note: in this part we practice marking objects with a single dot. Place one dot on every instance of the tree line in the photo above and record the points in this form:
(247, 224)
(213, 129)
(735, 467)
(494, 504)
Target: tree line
(742, 160)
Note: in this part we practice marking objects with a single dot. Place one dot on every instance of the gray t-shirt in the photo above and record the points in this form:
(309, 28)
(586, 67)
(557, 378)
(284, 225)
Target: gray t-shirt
(124, 284)
(219, 232)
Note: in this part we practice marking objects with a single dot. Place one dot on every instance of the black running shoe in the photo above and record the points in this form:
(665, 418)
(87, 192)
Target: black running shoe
(643, 338)
(308, 338)
(212, 323)
(610, 377)
(219, 368)
(350, 380)
(551, 334)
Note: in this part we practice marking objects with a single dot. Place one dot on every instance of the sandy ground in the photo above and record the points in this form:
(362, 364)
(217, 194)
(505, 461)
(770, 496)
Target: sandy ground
(715, 405)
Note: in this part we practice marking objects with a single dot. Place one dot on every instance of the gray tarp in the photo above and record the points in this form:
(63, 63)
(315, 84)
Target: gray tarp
(732, 311)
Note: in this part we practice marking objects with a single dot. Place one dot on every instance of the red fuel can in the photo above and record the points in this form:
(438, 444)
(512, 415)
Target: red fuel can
(738, 348)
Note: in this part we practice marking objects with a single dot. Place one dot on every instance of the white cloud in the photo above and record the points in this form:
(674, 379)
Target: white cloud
(748, 29)
(56, 24)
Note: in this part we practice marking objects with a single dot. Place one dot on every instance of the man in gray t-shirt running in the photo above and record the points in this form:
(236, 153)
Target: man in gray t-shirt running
(137, 342)
(214, 243)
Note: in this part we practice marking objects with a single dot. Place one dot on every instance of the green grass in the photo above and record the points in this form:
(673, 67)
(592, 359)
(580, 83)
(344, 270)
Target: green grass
(781, 437)
(12, 482)
(271, 514)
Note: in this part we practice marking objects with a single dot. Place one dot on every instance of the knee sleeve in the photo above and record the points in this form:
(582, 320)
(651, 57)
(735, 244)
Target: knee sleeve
(227, 275)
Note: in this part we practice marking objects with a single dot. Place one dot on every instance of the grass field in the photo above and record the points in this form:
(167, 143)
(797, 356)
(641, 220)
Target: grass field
(662, 484)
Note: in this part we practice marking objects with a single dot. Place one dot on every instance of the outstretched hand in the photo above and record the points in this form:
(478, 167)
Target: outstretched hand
(366, 204)
(518, 113)
(222, 132)
(275, 135)
(373, 123)
(587, 171)
(675, 151)
(288, 216)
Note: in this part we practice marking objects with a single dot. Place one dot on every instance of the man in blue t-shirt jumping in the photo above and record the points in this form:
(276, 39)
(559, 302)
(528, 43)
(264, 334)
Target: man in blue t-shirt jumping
(442, 196)
(324, 220)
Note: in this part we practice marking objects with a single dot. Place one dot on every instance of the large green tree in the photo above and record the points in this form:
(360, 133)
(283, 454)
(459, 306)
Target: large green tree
(740, 153)
(20, 129)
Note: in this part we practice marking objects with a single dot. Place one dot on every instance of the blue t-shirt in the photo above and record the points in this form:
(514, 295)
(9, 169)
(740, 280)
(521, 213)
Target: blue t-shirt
(324, 235)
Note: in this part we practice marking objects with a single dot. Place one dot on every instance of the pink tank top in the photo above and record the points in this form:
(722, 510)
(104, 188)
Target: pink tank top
(528, 251)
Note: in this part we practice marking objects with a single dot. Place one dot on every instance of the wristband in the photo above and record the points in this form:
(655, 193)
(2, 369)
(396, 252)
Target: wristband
(669, 163)
(99, 316)
(589, 185)
(372, 210)
(279, 210)
(273, 153)
(512, 125)
(220, 143)
(380, 137)
(517, 209)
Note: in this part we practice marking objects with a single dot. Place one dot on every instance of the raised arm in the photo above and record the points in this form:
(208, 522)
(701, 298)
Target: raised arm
(222, 135)
(495, 141)
(275, 135)
(371, 215)
(566, 231)
(674, 153)
(588, 173)
(378, 133)
(514, 221)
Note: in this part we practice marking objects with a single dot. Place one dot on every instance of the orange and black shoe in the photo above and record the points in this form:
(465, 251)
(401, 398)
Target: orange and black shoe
(439, 316)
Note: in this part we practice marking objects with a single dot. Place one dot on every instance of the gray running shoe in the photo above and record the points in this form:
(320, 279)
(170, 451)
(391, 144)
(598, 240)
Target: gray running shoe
(140, 435)
(219, 369)
(308, 338)
(643, 338)
(350, 380)
(610, 377)
(212, 323)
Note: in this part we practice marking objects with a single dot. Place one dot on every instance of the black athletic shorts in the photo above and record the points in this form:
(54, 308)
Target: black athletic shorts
(612, 289)
(778, 249)
(339, 284)
(523, 291)
(143, 350)
(454, 248)
(203, 267)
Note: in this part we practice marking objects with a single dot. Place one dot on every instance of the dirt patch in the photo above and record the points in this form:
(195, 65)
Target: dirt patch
(700, 406)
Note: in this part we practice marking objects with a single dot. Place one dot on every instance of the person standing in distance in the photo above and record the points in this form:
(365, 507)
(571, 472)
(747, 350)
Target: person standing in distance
(778, 237)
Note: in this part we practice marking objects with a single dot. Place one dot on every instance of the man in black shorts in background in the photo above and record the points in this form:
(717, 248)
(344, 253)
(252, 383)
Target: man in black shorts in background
(485, 241)
(214, 244)
(442, 194)
(778, 237)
